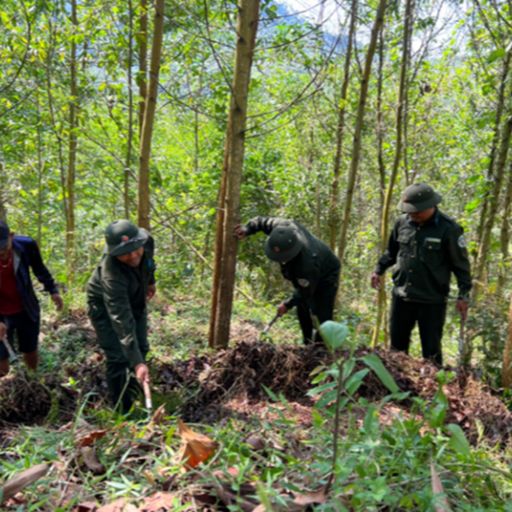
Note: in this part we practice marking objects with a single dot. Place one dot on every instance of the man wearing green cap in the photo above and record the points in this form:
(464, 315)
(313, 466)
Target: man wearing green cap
(117, 294)
(425, 247)
(307, 262)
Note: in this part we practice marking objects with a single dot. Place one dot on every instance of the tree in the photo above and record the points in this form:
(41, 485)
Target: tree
(149, 116)
(228, 213)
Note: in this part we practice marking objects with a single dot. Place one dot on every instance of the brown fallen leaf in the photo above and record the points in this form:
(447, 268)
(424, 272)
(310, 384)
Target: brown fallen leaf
(310, 498)
(158, 415)
(89, 438)
(86, 506)
(158, 502)
(441, 502)
(195, 448)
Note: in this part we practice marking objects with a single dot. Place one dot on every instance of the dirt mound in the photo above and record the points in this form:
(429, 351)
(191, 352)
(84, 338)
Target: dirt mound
(241, 374)
(23, 400)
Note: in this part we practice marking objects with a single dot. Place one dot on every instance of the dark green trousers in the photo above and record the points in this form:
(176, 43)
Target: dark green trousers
(122, 385)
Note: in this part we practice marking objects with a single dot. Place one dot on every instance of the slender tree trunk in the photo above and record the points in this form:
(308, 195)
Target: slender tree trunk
(356, 145)
(506, 370)
(129, 143)
(142, 41)
(72, 147)
(504, 267)
(400, 117)
(340, 130)
(500, 107)
(229, 202)
(149, 117)
(483, 249)
(381, 294)
(40, 172)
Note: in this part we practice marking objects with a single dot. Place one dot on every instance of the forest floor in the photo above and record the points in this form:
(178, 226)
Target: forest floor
(251, 387)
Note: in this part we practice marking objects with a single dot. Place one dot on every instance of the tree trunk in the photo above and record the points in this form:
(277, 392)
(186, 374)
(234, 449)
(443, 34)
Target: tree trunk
(500, 106)
(506, 371)
(72, 147)
(149, 117)
(129, 143)
(504, 267)
(340, 130)
(229, 197)
(400, 117)
(142, 40)
(494, 202)
(356, 145)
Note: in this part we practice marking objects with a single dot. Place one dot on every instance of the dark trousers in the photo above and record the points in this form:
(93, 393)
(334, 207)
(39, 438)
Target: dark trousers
(122, 385)
(430, 319)
(27, 331)
(321, 306)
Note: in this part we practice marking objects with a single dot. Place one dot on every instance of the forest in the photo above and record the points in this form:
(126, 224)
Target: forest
(191, 118)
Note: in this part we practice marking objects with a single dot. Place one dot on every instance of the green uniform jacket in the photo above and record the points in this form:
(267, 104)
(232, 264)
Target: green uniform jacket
(119, 291)
(314, 269)
(424, 258)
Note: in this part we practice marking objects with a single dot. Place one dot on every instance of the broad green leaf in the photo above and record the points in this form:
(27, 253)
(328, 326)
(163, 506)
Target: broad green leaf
(333, 334)
(373, 361)
(355, 380)
(458, 439)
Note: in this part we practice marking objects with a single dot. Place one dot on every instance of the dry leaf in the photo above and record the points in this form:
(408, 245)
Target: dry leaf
(89, 438)
(86, 506)
(157, 502)
(310, 498)
(158, 415)
(196, 448)
(115, 506)
(441, 503)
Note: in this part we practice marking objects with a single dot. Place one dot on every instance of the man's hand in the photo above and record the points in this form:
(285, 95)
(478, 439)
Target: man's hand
(240, 231)
(57, 300)
(151, 291)
(3, 330)
(282, 309)
(376, 281)
(462, 306)
(142, 373)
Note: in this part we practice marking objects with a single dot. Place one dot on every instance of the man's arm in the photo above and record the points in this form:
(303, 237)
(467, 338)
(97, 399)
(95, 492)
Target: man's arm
(387, 259)
(265, 224)
(43, 274)
(461, 267)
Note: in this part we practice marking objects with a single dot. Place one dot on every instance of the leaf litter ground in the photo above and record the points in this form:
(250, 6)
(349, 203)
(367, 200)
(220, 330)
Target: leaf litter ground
(236, 383)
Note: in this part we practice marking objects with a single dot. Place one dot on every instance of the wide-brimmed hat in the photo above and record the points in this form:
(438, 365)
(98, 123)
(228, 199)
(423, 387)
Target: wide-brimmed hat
(418, 197)
(284, 243)
(122, 237)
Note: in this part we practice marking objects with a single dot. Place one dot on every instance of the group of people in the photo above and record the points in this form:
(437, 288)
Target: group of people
(424, 249)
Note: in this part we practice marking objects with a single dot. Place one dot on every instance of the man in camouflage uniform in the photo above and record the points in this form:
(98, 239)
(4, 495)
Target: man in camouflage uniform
(307, 262)
(117, 294)
(425, 247)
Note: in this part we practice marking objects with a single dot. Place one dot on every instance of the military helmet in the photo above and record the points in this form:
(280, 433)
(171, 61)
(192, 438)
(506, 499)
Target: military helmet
(284, 243)
(418, 197)
(122, 237)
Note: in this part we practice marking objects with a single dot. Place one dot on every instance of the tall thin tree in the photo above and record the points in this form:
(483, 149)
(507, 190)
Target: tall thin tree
(229, 197)
(356, 143)
(400, 125)
(149, 117)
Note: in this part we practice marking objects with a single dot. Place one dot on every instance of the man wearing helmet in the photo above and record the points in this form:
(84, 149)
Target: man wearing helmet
(307, 262)
(425, 247)
(117, 293)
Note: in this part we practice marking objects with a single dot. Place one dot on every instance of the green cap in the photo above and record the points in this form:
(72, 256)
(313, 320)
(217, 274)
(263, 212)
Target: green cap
(418, 197)
(122, 237)
(284, 243)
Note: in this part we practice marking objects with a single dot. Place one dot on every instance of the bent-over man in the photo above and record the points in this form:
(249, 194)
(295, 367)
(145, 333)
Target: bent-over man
(307, 262)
